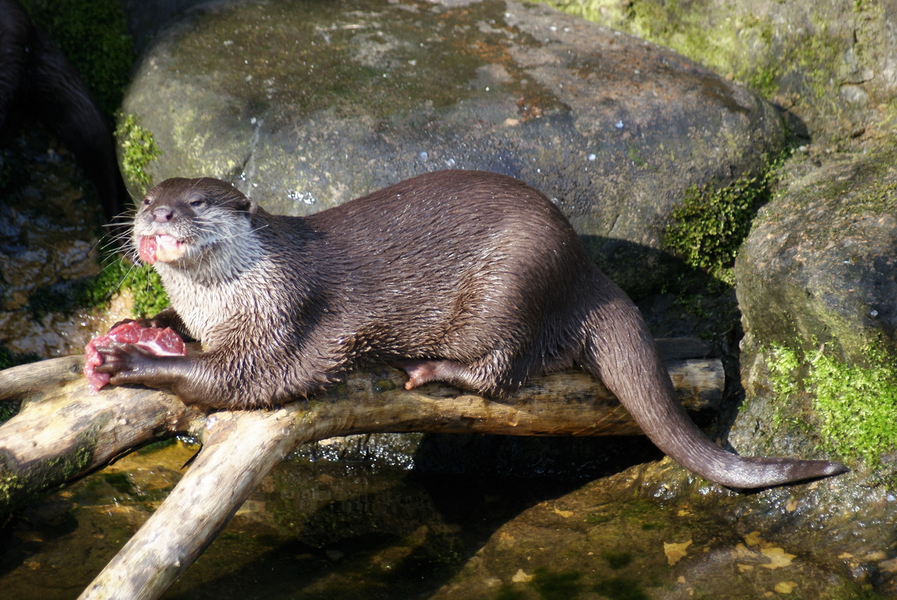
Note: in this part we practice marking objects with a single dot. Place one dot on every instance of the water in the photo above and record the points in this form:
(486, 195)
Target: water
(322, 524)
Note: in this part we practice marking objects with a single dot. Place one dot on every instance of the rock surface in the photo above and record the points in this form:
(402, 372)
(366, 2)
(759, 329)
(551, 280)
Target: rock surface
(672, 550)
(816, 286)
(49, 226)
(831, 64)
(307, 105)
(820, 266)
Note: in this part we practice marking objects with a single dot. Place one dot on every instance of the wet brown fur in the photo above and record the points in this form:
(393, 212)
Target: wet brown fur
(37, 80)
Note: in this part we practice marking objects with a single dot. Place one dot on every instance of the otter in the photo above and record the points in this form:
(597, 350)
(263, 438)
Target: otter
(37, 79)
(469, 278)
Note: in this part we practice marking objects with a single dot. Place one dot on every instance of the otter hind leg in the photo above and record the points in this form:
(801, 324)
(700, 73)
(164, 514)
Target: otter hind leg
(423, 371)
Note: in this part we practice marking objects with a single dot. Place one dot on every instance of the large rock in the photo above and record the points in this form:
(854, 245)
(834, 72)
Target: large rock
(306, 105)
(820, 266)
(832, 63)
(816, 284)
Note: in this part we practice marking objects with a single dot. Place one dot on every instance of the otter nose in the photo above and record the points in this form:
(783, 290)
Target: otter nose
(162, 214)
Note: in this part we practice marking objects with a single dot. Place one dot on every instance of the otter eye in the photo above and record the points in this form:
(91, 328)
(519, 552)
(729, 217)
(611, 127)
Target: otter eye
(147, 201)
(197, 203)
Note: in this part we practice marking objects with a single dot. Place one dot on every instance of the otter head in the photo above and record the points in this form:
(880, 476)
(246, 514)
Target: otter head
(181, 219)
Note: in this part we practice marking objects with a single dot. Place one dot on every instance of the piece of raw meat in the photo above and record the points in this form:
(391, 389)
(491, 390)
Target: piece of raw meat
(164, 342)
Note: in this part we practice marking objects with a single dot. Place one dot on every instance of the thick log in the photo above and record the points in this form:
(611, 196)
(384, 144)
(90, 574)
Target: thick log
(64, 431)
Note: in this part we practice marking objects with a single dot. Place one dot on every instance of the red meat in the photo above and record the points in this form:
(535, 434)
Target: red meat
(163, 342)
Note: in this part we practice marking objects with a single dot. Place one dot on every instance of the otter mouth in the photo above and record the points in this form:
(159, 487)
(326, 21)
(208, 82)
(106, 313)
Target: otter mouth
(163, 247)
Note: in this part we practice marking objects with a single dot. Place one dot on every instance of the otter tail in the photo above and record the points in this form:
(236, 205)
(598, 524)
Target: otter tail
(621, 352)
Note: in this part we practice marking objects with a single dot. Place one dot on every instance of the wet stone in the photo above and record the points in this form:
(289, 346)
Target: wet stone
(820, 265)
(50, 226)
(307, 105)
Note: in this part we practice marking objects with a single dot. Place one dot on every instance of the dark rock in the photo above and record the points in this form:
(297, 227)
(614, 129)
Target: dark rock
(306, 105)
(820, 266)
(816, 285)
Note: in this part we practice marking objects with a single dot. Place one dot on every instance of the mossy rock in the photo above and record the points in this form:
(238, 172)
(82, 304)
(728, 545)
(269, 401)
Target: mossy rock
(820, 265)
(307, 105)
(829, 63)
(817, 286)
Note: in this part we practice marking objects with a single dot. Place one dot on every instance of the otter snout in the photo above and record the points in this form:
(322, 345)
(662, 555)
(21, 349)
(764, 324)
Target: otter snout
(160, 232)
(162, 214)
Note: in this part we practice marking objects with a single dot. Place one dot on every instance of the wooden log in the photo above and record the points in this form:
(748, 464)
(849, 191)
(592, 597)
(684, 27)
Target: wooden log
(64, 431)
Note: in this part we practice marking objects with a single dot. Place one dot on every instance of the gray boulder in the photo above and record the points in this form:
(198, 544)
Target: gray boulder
(307, 105)
(819, 266)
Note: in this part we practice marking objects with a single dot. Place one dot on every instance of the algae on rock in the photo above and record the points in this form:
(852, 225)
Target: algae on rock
(829, 62)
(137, 150)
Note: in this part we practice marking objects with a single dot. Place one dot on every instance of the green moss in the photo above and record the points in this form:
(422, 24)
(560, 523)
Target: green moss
(635, 157)
(158, 446)
(857, 405)
(708, 227)
(598, 518)
(617, 560)
(383, 385)
(669, 23)
(138, 150)
(121, 482)
(45, 474)
(93, 36)
(8, 358)
(117, 274)
(146, 285)
(782, 369)
(507, 592)
(8, 410)
(142, 280)
(799, 65)
(881, 196)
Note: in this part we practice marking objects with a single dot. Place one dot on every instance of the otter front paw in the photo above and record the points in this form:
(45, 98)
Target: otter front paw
(151, 341)
(127, 363)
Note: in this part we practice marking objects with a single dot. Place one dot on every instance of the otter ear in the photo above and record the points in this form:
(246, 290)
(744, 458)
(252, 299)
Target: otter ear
(246, 205)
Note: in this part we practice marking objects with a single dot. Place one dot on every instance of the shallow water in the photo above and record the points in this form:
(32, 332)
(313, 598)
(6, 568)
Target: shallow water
(325, 523)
